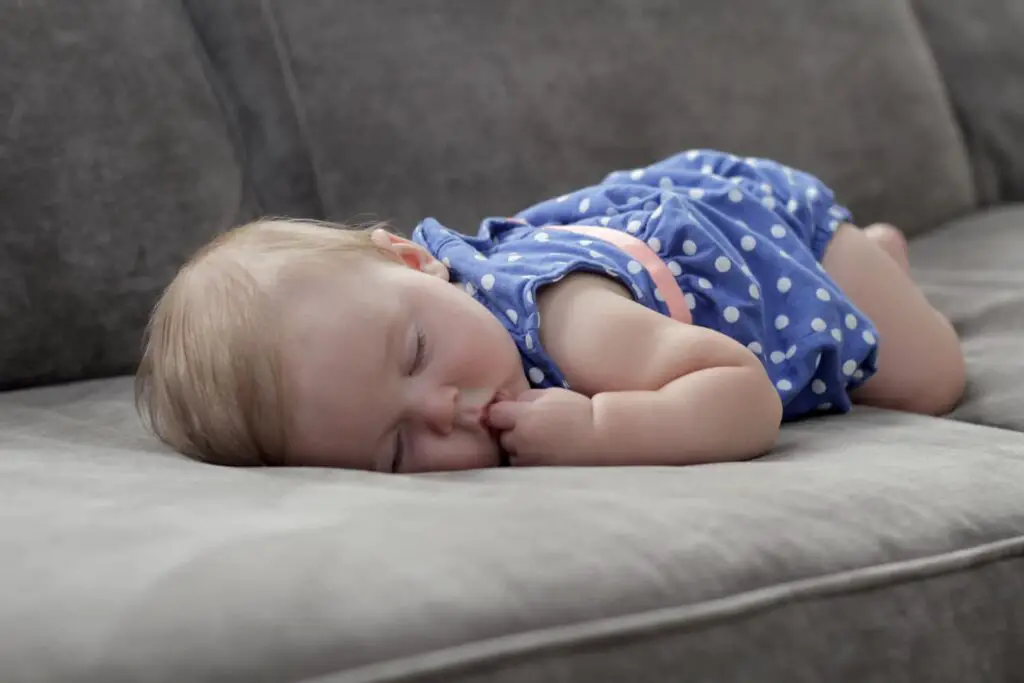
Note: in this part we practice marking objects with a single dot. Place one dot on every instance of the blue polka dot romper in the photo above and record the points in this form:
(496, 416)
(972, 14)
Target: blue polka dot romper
(743, 238)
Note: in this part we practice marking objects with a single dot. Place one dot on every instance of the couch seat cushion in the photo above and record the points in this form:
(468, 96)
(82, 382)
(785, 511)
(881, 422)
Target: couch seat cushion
(875, 546)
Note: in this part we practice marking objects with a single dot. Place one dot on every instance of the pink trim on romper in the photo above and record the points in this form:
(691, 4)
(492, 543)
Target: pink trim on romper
(645, 256)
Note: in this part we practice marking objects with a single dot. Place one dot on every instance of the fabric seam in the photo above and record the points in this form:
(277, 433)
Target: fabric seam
(687, 617)
(283, 53)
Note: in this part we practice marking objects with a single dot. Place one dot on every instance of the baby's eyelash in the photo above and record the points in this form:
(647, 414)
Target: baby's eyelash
(421, 344)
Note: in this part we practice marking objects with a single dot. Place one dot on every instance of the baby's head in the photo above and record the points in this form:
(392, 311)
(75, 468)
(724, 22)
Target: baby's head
(287, 342)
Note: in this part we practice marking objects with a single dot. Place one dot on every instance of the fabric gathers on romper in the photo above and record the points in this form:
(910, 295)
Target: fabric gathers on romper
(743, 238)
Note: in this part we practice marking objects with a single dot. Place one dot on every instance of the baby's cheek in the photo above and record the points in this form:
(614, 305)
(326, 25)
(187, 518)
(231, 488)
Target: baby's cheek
(460, 450)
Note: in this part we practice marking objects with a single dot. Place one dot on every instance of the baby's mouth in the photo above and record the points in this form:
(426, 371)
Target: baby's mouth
(473, 406)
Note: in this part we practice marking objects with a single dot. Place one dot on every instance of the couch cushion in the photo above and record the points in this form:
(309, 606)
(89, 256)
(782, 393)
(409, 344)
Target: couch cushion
(115, 163)
(462, 109)
(978, 48)
(870, 547)
(971, 269)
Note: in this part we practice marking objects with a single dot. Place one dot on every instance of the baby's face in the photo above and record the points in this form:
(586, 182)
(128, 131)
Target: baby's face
(391, 368)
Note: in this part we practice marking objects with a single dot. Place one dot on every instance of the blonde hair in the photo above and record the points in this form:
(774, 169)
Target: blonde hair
(209, 383)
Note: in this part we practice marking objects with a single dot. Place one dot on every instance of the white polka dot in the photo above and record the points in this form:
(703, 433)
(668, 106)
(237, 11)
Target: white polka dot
(766, 188)
(784, 284)
(696, 193)
(755, 347)
(706, 169)
(819, 387)
(536, 375)
(658, 295)
(658, 212)
(637, 174)
(634, 226)
(736, 180)
(837, 334)
(654, 243)
(529, 341)
(777, 357)
(675, 268)
(585, 205)
(825, 406)
(665, 182)
(778, 231)
(470, 289)
(723, 264)
(634, 267)
(747, 243)
(691, 302)
(812, 193)
(784, 385)
(792, 206)
(781, 322)
(731, 314)
(755, 292)
(611, 211)
(479, 257)
(487, 281)
(692, 154)
(529, 296)
(446, 262)
(823, 294)
(851, 321)
(818, 325)
(768, 203)
(562, 198)
(512, 315)
(858, 374)
(849, 367)
(513, 257)
(791, 351)
(689, 247)
(650, 205)
(833, 226)
(596, 254)
(869, 337)
(735, 195)
(703, 283)
(632, 200)
(542, 237)
(606, 220)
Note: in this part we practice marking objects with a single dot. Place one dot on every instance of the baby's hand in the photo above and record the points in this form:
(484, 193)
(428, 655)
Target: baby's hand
(544, 426)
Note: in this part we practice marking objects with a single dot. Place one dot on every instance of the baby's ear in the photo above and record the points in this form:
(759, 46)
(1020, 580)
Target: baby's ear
(408, 252)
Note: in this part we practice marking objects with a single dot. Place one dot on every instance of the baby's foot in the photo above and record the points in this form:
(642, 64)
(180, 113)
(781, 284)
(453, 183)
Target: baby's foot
(892, 242)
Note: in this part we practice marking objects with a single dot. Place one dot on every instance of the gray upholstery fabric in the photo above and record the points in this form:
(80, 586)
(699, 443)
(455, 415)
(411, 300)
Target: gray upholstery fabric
(463, 109)
(872, 547)
(245, 50)
(971, 270)
(115, 163)
(978, 47)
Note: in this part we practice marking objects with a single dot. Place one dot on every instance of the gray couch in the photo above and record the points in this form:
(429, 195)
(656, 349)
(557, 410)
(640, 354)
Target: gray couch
(876, 546)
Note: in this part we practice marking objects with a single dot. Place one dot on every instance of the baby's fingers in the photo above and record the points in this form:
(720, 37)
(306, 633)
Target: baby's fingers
(503, 415)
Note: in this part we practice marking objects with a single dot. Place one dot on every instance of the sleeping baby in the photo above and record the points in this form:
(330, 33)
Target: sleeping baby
(668, 315)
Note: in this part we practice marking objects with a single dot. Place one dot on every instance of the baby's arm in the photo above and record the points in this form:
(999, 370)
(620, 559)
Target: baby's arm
(662, 393)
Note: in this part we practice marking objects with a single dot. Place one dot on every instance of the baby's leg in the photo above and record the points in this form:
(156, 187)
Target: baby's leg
(920, 363)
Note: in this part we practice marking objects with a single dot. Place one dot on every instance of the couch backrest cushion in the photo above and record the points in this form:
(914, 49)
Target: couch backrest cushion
(980, 48)
(115, 163)
(462, 109)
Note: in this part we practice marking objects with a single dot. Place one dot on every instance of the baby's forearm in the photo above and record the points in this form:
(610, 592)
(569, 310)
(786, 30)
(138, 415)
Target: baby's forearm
(713, 415)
